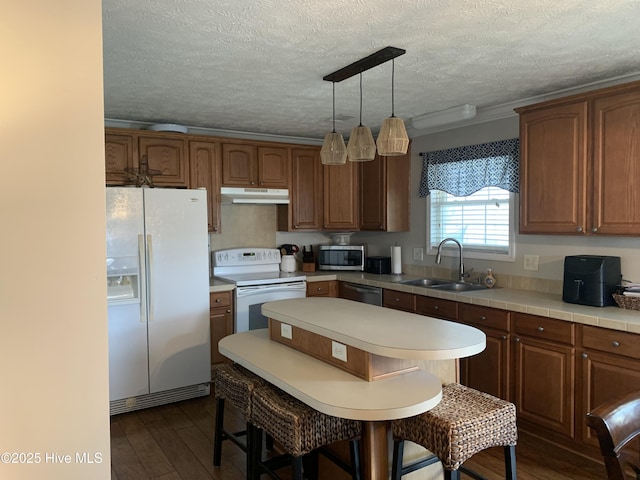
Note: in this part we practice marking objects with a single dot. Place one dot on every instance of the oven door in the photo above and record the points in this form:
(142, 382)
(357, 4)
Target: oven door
(249, 300)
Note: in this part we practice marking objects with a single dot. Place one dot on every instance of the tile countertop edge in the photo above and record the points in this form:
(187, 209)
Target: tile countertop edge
(523, 301)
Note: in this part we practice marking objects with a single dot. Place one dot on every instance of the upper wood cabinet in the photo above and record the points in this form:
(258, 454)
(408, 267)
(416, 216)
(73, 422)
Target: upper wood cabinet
(305, 209)
(384, 193)
(341, 198)
(165, 152)
(249, 165)
(204, 172)
(580, 164)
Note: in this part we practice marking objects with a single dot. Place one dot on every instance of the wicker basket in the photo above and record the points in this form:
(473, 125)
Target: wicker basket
(630, 303)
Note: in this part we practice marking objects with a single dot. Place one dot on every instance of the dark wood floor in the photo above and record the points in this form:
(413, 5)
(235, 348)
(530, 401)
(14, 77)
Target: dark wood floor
(174, 442)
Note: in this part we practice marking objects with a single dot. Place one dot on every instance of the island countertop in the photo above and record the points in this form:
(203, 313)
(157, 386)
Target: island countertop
(379, 330)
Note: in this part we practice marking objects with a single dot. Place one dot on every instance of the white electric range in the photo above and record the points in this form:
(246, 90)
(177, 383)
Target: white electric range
(258, 279)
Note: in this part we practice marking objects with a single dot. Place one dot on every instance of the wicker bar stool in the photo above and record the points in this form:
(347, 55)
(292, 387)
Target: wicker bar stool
(300, 430)
(234, 384)
(464, 423)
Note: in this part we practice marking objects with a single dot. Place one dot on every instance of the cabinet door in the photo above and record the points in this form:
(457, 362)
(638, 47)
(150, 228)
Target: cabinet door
(488, 371)
(273, 167)
(304, 211)
(384, 193)
(205, 173)
(341, 196)
(119, 155)
(544, 384)
(169, 156)
(553, 169)
(221, 322)
(239, 165)
(616, 165)
(373, 198)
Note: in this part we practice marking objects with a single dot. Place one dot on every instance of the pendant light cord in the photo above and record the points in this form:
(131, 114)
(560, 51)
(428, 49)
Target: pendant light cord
(334, 107)
(360, 99)
(393, 75)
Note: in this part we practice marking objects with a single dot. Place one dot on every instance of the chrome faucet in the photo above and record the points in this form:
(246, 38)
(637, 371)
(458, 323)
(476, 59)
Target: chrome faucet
(439, 256)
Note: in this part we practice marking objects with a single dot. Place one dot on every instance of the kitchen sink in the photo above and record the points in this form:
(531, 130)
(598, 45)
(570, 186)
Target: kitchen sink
(458, 287)
(425, 282)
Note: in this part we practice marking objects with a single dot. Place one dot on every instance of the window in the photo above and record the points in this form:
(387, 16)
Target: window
(482, 222)
(470, 192)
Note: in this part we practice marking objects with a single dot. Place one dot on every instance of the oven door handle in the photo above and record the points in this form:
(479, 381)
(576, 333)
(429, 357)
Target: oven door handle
(280, 287)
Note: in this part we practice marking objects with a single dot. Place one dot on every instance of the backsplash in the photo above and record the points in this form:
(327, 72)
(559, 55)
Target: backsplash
(502, 280)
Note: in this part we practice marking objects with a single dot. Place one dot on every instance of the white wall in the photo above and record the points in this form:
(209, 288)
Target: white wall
(53, 336)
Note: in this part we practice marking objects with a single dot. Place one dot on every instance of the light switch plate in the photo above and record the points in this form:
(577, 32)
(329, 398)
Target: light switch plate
(531, 262)
(418, 253)
(285, 331)
(339, 351)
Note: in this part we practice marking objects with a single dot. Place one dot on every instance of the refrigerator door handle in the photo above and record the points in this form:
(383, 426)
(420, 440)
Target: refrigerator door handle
(150, 275)
(141, 283)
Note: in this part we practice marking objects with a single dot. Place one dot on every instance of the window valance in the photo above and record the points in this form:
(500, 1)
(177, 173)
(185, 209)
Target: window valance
(462, 171)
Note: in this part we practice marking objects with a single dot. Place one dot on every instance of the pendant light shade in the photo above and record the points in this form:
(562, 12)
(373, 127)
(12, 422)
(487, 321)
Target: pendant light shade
(392, 139)
(333, 151)
(361, 147)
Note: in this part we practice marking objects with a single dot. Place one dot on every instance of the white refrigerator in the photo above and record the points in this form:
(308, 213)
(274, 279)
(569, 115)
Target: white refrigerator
(158, 296)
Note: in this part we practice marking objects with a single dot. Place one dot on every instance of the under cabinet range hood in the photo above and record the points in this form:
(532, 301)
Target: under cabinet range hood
(263, 196)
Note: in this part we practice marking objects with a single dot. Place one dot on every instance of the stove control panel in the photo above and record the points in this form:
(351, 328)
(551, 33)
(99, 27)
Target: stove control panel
(236, 257)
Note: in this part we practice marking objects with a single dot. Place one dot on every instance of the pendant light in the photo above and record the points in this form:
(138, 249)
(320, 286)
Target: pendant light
(361, 147)
(392, 139)
(333, 151)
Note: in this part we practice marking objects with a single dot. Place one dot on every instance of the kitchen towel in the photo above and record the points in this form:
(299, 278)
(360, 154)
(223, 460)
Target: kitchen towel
(396, 259)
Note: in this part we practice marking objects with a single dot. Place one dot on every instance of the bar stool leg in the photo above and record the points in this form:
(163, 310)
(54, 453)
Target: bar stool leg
(354, 451)
(217, 436)
(398, 452)
(254, 452)
(510, 462)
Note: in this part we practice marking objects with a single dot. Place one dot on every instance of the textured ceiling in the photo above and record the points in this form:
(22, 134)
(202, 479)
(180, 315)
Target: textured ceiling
(257, 65)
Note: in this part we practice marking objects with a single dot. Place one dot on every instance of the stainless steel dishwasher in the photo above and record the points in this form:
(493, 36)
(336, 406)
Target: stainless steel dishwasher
(360, 293)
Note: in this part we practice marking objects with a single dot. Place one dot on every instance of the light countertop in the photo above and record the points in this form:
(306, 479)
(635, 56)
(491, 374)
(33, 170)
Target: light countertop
(524, 301)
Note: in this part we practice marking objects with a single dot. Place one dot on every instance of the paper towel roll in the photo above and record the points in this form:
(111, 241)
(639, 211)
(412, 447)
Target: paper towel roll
(396, 259)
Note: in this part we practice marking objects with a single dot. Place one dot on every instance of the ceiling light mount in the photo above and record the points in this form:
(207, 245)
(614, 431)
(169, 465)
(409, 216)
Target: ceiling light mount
(364, 64)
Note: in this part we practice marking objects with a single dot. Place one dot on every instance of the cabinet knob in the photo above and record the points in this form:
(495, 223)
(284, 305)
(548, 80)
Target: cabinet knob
(584, 355)
(228, 310)
(503, 337)
(436, 307)
(217, 300)
(541, 329)
(397, 299)
(482, 317)
(319, 289)
(579, 229)
(516, 339)
(594, 229)
(615, 343)
(295, 226)
(252, 183)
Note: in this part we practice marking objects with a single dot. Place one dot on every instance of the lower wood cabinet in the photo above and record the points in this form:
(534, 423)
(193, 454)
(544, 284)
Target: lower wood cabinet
(324, 288)
(437, 307)
(221, 321)
(489, 371)
(544, 378)
(608, 366)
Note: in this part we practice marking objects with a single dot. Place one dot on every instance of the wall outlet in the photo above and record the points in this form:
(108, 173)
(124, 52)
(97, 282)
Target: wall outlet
(285, 331)
(418, 253)
(531, 262)
(339, 351)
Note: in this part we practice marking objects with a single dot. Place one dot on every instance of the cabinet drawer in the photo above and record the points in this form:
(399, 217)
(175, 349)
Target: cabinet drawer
(544, 328)
(436, 307)
(325, 288)
(398, 300)
(220, 299)
(611, 341)
(484, 316)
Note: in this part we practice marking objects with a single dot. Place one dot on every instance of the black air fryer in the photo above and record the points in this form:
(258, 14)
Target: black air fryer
(590, 279)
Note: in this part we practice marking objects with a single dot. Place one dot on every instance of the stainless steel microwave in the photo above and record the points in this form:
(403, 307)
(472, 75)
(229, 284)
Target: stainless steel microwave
(341, 257)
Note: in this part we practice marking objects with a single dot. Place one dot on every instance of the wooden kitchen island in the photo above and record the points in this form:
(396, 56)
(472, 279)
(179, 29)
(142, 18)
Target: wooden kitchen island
(383, 342)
